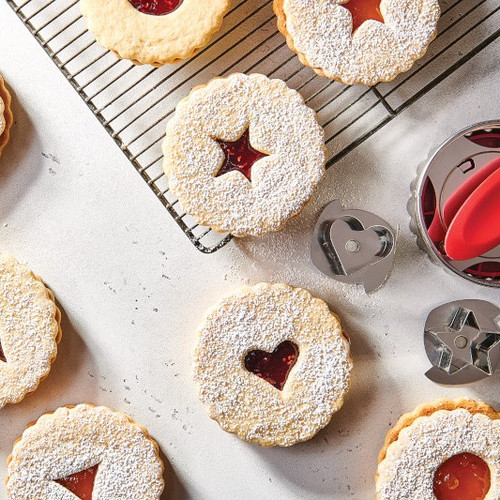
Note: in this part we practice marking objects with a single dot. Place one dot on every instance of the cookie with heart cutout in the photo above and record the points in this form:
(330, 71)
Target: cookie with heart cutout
(6, 117)
(29, 330)
(244, 154)
(445, 450)
(85, 452)
(358, 41)
(272, 364)
(154, 32)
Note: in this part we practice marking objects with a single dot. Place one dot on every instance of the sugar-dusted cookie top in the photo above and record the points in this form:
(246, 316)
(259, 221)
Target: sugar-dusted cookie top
(349, 42)
(85, 450)
(445, 450)
(29, 330)
(243, 154)
(272, 364)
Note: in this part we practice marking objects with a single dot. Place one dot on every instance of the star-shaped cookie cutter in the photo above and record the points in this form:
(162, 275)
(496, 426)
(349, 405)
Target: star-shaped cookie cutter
(462, 341)
(353, 246)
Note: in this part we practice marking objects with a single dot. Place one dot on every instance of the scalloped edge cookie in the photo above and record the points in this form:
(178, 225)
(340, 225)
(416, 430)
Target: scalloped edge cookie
(250, 407)
(280, 190)
(149, 39)
(360, 77)
(42, 421)
(26, 389)
(6, 116)
(427, 410)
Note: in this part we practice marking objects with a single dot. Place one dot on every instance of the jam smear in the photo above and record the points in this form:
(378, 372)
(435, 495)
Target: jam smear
(2, 355)
(462, 477)
(80, 484)
(275, 366)
(362, 10)
(239, 156)
(156, 7)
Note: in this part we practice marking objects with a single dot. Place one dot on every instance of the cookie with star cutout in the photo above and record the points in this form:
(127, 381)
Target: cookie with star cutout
(243, 154)
(85, 452)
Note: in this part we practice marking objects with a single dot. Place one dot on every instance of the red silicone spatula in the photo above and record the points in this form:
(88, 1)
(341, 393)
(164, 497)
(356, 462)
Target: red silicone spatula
(475, 228)
(457, 199)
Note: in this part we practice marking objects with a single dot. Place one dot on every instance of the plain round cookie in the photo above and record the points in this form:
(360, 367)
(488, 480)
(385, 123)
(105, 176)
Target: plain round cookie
(29, 330)
(6, 117)
(150, 39)
(407, 462)
(279, 125)
(262, 317)
(75, 438)
(320, 33)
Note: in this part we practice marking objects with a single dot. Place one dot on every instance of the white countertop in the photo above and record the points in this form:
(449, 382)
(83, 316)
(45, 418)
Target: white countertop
(132, 288)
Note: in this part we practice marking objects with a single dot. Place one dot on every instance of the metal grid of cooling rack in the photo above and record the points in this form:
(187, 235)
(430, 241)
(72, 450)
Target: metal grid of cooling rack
(133, 103)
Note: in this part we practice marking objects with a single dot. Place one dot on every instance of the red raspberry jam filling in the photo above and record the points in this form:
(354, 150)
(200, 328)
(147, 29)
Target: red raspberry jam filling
(275, 366)
(462, 477)
(362, 10)
(80, 484)
(2, 355)
(239, 156)
(156, 7)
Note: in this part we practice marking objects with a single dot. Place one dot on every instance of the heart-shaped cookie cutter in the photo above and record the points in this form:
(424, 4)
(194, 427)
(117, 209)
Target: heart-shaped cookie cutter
(353, 246)
(462, 341)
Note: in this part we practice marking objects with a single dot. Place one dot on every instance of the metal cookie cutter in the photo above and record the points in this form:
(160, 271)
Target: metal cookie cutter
(456, 204)
(353, 246)
(462, 341)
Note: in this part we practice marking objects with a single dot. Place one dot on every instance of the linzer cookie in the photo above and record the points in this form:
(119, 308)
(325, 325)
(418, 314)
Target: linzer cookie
(272, 364)
(6, 117)
(446, 450)
(30, 330)
(154, 32)
(243, 154)
(85, 452)
(358, 41)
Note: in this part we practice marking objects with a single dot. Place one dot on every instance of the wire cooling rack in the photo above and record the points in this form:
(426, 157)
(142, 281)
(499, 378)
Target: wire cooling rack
(133, 103)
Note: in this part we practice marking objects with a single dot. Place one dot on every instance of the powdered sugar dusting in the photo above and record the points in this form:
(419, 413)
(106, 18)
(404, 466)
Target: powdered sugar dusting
(73, 439)
(411, 461)
(280, 125)
(261, 317)
(29, 328)
(321, 32)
